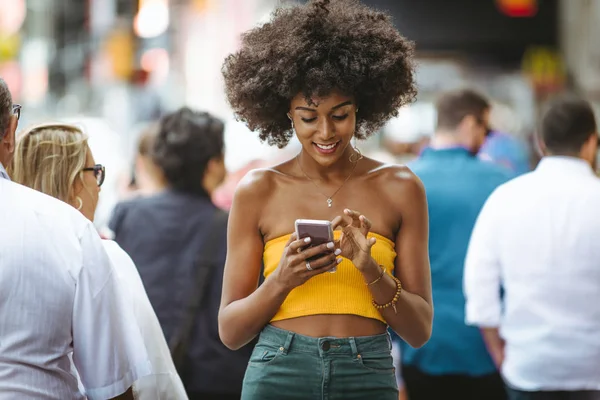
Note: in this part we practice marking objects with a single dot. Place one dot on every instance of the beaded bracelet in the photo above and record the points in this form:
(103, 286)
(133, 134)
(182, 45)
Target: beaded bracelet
(394, 300)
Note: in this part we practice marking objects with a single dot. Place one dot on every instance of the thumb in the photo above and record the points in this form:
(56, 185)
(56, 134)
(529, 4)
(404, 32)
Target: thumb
(371, 242)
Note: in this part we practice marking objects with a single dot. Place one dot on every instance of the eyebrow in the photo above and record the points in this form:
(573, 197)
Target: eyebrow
(346, 103)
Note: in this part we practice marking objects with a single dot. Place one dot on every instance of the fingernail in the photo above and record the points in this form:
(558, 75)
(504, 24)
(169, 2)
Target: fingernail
(339, 260)
(338, 252)
(307, 240)
(333, 270)
(330, 245)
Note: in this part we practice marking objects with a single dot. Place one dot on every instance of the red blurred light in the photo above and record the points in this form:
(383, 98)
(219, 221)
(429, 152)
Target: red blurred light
(518, 8)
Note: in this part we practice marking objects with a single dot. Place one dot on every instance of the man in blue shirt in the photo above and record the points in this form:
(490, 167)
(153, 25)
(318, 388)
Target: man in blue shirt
(455, 361)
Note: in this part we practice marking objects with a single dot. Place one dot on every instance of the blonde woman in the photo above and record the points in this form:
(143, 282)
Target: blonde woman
(55, 159)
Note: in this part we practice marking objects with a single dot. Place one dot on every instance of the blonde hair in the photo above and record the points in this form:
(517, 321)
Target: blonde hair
(49, 158)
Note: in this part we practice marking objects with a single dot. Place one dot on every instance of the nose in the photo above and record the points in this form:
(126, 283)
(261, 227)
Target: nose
(326, 129)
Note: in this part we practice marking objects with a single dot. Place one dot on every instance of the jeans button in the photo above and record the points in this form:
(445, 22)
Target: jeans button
(326, 346)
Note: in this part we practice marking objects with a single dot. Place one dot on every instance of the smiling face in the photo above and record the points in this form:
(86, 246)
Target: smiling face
(326, 127)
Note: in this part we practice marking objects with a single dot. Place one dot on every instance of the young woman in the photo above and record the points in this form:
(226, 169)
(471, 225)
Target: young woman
(328, 72)
(55, 159)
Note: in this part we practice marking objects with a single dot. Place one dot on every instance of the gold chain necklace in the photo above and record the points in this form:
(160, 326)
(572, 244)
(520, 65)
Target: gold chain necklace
(329, 198)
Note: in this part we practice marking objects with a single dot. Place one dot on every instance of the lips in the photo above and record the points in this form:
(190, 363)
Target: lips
(326, 148)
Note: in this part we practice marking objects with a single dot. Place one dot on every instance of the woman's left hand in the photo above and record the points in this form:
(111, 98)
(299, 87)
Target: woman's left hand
(354, 243)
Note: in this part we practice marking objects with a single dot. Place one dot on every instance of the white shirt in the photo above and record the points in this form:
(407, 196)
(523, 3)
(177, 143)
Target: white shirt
(539, 237)
(164, 382)
(59, 295)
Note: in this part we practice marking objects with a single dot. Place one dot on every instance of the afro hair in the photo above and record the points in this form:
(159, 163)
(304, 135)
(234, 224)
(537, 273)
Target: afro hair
(313, 49)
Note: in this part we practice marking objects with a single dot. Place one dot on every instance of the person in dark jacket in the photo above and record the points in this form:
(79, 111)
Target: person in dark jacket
(164, 234)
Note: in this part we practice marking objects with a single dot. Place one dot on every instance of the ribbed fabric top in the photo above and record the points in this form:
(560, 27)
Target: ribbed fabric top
(342, 292)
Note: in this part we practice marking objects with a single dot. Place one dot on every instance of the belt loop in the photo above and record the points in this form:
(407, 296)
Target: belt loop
(353, 346)
(288, 342)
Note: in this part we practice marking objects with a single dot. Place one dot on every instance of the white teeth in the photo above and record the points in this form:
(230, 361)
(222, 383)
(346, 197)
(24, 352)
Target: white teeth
(326, 147)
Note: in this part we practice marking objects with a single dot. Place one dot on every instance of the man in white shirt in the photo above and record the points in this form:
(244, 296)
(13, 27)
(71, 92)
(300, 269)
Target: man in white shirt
(59, 297)
(537, 240)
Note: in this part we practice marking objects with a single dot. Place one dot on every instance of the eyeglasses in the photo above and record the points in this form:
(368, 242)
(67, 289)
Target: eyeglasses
(99, 173)
(16, 109)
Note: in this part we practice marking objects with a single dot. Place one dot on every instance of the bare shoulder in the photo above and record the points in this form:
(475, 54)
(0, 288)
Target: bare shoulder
(397, 177)
(255, 183)
(400, 185)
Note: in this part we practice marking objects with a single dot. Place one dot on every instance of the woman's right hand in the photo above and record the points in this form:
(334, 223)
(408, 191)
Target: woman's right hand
(293, 269)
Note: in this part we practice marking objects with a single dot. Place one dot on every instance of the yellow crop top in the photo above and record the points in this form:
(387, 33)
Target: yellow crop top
(342, 292)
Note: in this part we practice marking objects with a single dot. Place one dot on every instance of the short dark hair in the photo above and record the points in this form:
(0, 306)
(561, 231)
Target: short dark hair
(186, 141)
(452, 107)
(5, 108)
(567, 123)
(314, 49)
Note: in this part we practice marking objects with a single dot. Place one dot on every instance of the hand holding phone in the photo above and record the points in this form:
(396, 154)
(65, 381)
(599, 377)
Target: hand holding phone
(310, 251)
(319, 231)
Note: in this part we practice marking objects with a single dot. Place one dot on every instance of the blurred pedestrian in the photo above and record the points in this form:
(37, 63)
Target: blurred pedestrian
(60, 299)
(455, 361)
(536, 240)
(177, 239)
(55, 159)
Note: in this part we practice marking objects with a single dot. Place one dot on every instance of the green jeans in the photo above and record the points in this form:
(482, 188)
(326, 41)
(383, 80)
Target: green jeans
(285, 365)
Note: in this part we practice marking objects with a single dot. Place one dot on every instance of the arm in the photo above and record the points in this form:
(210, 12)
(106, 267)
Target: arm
(494, 344)
(245, 310)
(482, 279)
(414, 318)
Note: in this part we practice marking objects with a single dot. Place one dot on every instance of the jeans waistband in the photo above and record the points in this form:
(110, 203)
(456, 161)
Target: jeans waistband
(288, 341)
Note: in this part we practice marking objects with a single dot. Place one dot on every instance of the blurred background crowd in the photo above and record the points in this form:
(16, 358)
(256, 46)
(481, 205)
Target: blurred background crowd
(115, 66)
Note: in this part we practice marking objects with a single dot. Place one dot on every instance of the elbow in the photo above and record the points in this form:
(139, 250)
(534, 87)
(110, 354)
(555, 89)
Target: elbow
(229, 342)
(419, 340)
(227, 334)
(226, 339)
(422, 335)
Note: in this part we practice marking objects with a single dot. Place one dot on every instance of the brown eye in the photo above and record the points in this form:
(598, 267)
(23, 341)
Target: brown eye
(309, 120)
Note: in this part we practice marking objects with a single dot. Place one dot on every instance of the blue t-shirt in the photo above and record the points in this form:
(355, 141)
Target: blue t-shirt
(508, 151)
(457, 185)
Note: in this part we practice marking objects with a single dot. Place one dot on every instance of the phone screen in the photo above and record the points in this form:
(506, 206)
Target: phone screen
(320, 232)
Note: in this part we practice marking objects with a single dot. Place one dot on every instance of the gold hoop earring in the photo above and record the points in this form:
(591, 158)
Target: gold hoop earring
(356, 156)
(80, 203)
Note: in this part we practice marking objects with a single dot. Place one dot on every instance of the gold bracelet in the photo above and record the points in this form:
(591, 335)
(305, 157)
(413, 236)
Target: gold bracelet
(394, 300)
(378, 279)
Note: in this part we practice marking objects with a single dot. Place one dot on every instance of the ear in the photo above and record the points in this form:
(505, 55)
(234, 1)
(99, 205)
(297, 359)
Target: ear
(75, 190)
(9, 139)
(540, 146)
(468, 122)
(590, 148)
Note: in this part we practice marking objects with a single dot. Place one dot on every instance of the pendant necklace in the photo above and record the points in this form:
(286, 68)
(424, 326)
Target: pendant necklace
(329, 198)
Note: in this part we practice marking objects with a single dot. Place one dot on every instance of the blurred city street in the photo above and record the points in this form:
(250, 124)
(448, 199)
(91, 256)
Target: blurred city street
(115, 68)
